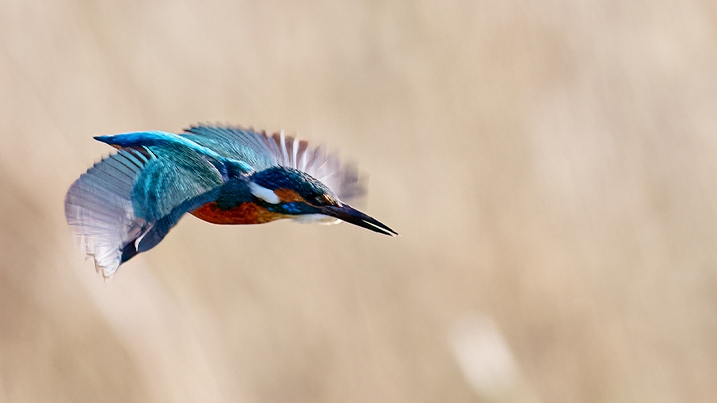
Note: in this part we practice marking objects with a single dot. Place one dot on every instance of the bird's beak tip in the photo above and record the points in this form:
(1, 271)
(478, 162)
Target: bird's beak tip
(355, 217)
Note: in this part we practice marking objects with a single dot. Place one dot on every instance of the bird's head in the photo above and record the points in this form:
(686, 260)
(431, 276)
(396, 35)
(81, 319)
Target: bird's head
(294, 193)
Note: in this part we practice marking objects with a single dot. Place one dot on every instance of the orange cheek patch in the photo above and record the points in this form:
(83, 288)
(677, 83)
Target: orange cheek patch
(287, 196)
(245, 213)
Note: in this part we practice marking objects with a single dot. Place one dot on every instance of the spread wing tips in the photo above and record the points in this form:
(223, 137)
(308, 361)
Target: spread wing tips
(96, 223)
(342, 179)
(99, 210)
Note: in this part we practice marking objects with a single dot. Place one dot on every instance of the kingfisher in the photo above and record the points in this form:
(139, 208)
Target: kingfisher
(127, 202)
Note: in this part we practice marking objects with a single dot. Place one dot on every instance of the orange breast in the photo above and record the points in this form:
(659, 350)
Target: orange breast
(245, 213)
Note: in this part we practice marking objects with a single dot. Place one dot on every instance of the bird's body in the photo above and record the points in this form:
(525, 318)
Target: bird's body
(245, 213)
(126, 203)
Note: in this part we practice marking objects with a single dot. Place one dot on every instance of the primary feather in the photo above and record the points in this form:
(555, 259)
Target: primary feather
(98, 207)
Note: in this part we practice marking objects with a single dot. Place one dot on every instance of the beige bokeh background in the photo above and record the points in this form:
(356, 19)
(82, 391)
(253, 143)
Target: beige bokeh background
(550, 165)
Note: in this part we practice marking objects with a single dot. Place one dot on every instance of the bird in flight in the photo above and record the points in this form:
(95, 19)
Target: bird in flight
(126, 203)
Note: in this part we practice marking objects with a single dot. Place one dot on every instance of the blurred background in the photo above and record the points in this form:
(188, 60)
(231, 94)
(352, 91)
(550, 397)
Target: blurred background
(550, 166)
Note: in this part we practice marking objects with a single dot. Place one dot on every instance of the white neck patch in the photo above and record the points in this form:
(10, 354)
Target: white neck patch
(263, 193)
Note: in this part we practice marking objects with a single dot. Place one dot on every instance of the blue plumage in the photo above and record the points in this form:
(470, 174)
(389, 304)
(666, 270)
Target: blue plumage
(126, 203)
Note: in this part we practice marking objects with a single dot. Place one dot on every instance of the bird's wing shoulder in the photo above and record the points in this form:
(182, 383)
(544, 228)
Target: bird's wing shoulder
(261, 150)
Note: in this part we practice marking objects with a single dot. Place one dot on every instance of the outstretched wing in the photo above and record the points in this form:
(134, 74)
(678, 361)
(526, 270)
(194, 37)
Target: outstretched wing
(261, 151)
(127, 202)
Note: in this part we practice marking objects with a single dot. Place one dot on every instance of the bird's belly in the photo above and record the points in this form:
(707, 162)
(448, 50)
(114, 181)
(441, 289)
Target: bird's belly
(245, 213)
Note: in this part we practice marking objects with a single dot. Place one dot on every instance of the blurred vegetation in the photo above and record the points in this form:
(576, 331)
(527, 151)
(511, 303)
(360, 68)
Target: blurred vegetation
(550, 167)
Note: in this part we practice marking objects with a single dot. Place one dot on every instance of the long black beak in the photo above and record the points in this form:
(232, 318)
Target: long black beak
(353, 216)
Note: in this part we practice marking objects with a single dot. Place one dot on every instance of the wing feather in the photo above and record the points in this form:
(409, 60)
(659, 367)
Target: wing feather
(127, 202)
(99, 209)
(261, 151)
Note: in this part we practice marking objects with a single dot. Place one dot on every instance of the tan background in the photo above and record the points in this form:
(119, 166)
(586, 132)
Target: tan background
(550, 165)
